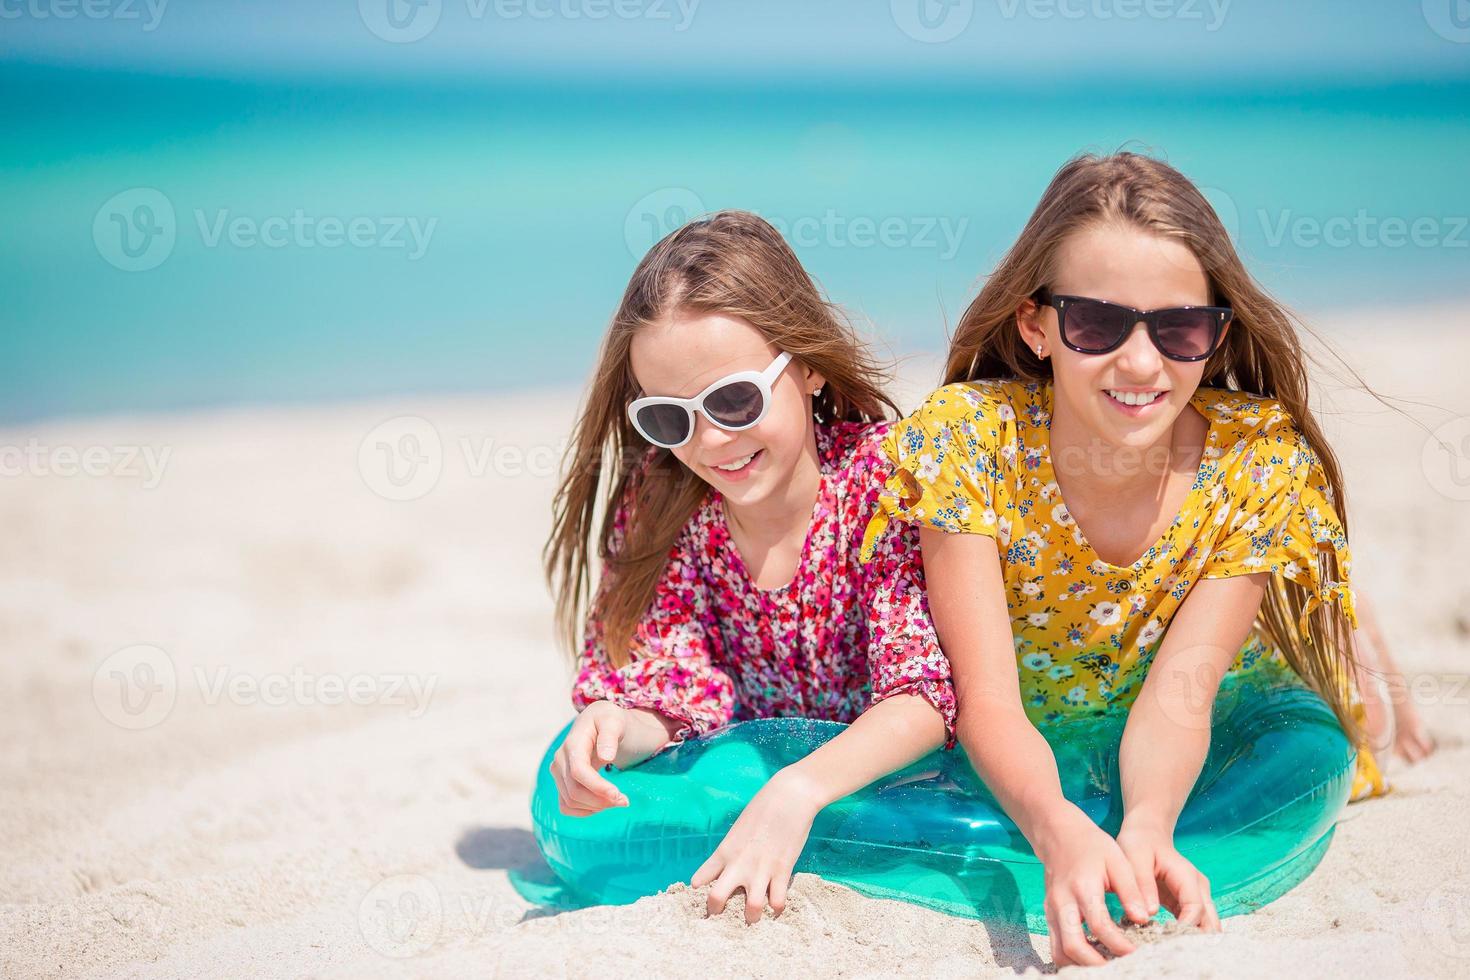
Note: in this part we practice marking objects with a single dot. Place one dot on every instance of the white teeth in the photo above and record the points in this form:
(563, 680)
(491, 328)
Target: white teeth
(1134, 397)
(739, 464)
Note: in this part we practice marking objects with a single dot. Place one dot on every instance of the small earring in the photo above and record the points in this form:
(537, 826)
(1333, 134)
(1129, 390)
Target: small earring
(816, 393)
(1038, 350)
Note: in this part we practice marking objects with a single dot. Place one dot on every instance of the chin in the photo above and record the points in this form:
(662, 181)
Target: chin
(743, 495)
(1122, 434)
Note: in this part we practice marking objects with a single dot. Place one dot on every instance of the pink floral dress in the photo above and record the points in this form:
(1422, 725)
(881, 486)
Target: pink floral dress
(713, 648)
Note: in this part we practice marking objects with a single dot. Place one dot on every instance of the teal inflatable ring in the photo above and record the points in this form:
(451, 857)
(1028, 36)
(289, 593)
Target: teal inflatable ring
(1258, 821)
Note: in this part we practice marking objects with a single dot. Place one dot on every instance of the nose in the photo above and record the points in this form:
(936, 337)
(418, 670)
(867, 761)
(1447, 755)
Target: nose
(710, 437)
(1138, 357)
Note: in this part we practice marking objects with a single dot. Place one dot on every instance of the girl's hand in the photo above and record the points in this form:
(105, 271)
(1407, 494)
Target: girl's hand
(1082, 864)
(1165, 874)
(760, 851)
(1411, 740)
(591, 744)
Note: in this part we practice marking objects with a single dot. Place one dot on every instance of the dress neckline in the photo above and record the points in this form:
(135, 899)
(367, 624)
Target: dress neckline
(1199, 400)
(825, 465)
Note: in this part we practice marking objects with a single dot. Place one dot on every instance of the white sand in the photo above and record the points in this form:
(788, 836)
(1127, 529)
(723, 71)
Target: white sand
(253, 830)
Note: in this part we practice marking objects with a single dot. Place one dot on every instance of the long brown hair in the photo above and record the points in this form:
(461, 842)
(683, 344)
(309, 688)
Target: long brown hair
(734, 264)
(1262, 354)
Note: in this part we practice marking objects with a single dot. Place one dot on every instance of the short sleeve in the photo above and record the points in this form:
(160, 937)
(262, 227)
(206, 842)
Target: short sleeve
(944, 465)
(671, 667)
(904, 656)
(1282, 518)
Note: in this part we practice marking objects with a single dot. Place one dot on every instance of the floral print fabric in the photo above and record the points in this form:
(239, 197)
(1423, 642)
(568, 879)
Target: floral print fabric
(975, 458)
(843, 634)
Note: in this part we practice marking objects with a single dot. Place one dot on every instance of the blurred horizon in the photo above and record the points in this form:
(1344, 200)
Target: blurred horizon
(272, 203)
(1191, 43)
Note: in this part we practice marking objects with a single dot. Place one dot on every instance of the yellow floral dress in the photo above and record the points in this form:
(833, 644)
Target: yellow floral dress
(975, 459)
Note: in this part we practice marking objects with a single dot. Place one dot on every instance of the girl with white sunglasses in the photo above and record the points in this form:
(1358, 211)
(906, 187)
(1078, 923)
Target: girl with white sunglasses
(731, 439)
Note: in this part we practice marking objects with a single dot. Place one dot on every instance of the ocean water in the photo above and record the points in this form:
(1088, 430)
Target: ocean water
(172, 243)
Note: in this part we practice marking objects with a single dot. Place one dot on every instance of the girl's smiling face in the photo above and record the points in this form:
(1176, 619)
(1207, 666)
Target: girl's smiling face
(685, 353)
(1121, 264)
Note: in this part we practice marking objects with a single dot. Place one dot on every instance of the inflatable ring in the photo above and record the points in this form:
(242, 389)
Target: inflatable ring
(1259, 819)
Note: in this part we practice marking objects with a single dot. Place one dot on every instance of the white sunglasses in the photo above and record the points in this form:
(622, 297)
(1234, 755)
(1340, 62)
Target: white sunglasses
(735, 402)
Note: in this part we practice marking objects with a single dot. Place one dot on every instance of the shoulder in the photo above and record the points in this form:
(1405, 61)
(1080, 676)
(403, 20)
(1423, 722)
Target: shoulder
(851, 447)
(976, 417)
(992, 399)
(1255, 439)
(1242, 412)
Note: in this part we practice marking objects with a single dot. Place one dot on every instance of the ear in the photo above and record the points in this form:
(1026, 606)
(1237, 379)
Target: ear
(812, 379)
(1028, 323)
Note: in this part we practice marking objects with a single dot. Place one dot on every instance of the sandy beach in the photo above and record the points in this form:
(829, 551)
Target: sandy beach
(278, 680)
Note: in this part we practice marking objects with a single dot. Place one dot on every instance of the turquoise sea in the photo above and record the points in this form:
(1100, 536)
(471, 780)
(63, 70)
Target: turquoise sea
(174, 242)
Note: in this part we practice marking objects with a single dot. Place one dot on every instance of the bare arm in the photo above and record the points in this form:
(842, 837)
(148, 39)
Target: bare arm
(1396, 723)
(759, 853)
(1167, 734)
(1167, 737)
(967, 601)
(1082, 863)
(888, 736)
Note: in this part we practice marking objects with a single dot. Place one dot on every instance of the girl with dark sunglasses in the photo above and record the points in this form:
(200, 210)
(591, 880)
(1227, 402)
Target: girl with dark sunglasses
(1123, 496)
(731, 440)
